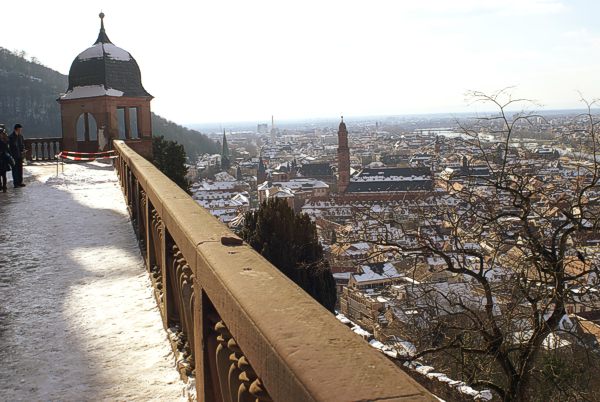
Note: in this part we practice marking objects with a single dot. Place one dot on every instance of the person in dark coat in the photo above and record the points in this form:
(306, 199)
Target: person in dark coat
(17, 150)
(5, 158)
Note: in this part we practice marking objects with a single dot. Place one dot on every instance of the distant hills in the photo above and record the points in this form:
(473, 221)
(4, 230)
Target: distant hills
(28, 93)
(193, 141)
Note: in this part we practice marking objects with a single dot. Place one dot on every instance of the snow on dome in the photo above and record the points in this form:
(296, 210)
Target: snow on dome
(98, 51)
(90, 91)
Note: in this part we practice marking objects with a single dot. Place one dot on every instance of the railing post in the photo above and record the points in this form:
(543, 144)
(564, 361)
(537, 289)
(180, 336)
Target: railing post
(42, 149)
(156, 257)
(141, 219)
(203, 393)
(129, 190)
(29, 148)
(164, 273)
(150, 256)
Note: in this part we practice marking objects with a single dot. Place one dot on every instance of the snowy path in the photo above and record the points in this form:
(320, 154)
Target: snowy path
(77, 317)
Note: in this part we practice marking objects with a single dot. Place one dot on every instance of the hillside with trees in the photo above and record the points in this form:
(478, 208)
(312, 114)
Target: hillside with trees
(193, 141)
(28, 95)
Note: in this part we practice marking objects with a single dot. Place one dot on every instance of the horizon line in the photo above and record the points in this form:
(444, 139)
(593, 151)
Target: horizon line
(376, 116)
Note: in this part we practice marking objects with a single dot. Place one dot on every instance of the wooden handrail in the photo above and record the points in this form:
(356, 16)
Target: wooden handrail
(238, 323)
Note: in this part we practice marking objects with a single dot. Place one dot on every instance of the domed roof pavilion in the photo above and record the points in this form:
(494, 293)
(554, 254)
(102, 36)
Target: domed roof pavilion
(105, 100)
(104, 69)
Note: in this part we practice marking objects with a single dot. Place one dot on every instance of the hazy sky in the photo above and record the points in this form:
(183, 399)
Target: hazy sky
(218, 61)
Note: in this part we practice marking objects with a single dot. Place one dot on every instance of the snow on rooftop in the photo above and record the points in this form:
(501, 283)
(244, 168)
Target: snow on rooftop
(90, 91)
(224, 176)
(99, 50)
(368, 274)
(377, 178)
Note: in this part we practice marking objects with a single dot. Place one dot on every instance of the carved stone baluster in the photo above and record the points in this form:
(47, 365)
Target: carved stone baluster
(222, 359)
(142, 222)
(125, 181)
(237, 380)
(179, 299)
(186, 299)
(130, 186)
(234, 371)
(251, 388)
(139, 217)
(258, 390)
(134, 207)
(186, 281)
(247, 376)
(175, 263)
(207, 377)
(185, 294)
(156, 229)
(149, 227)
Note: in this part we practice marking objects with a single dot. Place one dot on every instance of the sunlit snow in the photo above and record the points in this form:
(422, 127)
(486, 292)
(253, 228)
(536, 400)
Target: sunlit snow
(99, 50)
(77, 317)
(89, 91)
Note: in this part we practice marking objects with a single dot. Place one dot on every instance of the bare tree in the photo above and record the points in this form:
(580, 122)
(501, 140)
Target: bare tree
(507, 252)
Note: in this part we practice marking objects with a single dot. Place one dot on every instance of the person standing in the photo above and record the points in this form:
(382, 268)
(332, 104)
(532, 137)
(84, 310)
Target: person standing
(17, 150)
(5, 158)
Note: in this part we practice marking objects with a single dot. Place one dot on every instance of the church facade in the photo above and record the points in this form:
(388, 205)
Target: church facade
(378, 184)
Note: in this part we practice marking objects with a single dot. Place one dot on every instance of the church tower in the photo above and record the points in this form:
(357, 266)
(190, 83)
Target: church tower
(343, 158)
(261, 174)
(225, 160)
(105, 100)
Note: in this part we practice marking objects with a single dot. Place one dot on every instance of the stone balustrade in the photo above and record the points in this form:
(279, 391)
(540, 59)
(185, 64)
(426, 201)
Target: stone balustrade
(240, 328)
(42, 149)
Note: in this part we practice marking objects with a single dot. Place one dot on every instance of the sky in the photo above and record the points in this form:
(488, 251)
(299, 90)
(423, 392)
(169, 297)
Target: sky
(223, 61)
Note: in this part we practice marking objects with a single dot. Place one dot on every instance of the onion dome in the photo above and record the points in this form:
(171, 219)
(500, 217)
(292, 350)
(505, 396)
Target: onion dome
(104, 70)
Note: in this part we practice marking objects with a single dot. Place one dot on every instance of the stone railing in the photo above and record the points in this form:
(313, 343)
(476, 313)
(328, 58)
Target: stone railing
(42, 149)
(241, 330)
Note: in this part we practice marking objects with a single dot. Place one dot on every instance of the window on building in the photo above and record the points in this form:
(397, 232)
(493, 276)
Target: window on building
(87, 129)
(128, 122)
(133, 123)
(92, 128)
(121, 123)
(81, 128)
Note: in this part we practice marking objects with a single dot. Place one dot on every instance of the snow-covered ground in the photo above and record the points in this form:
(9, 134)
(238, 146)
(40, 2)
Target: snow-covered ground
(77, 317)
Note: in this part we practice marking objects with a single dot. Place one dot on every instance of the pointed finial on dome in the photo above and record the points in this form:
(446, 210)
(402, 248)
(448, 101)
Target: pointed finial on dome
(342, 118)
(102, 37)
